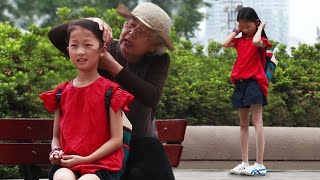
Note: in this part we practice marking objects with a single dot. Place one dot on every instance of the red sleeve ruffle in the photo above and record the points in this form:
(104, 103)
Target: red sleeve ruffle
(121, 99)
(49, 100)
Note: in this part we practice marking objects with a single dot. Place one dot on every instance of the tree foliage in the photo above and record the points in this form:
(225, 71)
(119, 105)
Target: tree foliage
(198, 86)
(43, 12)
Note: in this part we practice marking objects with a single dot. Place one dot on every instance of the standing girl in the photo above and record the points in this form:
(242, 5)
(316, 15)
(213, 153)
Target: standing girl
(86, 144)
(251, 85)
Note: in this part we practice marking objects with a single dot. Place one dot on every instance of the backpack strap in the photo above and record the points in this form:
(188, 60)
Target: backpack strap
(58, 96)
(59, 93)
(260, 52)
(108, 101)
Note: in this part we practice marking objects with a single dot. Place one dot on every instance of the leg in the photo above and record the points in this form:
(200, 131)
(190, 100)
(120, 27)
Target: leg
(89, 177)
(256, 110)
(64, 173)
(244, 133)
(147, 161)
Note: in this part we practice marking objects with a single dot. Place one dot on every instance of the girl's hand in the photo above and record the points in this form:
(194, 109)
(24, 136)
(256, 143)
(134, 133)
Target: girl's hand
(55, 157)
(238, 27)
(262, 25)
(72, 160)
(103, 26)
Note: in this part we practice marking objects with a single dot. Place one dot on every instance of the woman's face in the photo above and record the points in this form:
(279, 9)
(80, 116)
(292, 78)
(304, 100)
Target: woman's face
(136, 39)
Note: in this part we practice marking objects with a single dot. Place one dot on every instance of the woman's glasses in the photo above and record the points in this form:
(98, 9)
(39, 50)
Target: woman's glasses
(131, 24)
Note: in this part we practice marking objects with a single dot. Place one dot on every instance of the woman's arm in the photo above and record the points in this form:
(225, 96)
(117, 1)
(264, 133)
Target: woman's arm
(149, 90)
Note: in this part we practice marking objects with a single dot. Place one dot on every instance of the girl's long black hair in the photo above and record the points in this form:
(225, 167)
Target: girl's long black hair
(249, 14)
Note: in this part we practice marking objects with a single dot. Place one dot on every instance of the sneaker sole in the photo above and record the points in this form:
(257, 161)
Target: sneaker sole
(248, 174)
(234, 172)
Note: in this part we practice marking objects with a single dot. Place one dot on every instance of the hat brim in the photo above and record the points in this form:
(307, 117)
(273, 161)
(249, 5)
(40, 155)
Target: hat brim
(125, 13)
(57, 35)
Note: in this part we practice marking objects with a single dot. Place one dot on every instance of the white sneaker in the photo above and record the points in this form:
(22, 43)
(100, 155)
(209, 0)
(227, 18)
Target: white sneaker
(254, 170)
(238, 168)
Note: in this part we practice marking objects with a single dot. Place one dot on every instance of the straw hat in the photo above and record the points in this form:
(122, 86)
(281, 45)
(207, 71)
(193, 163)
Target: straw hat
(153, 17)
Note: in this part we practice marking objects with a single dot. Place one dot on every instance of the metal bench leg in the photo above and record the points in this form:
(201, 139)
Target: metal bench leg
(31, 172)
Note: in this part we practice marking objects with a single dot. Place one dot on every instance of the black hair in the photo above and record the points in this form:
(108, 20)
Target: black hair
(249, 14)
(87, 24)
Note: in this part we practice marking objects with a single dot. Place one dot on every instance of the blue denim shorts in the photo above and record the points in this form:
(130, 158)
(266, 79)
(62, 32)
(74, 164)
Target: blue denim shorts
(247, 92)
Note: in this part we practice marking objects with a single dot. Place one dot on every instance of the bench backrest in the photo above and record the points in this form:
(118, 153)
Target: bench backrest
(28, 140)
(25, 140)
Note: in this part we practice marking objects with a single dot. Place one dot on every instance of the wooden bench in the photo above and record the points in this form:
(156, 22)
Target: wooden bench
(26, 142)
(171, 132)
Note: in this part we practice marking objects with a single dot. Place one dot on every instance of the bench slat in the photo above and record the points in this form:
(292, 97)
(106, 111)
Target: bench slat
(171, 131)
(174, 152)
(25, 128)
(24, 153)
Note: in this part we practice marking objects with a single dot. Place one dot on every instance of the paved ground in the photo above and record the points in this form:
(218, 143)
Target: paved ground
(211, 174)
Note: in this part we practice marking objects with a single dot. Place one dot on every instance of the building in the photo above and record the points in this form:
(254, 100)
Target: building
(221, 19)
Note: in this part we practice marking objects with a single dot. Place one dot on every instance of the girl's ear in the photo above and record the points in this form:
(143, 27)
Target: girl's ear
(103, 49)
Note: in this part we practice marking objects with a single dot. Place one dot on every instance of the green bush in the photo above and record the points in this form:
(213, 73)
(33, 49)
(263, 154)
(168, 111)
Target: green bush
(198, 86)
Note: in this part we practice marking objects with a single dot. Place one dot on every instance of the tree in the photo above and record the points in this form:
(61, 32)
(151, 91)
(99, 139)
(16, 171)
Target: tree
(23, 13)
(188, 17)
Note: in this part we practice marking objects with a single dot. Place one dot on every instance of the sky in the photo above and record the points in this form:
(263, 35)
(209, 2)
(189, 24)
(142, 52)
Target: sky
(304, 19)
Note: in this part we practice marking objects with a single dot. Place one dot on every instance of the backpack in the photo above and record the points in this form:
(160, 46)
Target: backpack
(270, 65)
(127, 133)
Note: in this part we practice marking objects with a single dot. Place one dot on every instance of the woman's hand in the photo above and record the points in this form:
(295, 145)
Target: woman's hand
(103, 26)
(108, 63)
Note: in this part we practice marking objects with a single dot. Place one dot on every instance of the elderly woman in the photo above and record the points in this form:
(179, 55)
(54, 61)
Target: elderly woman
(139, 63)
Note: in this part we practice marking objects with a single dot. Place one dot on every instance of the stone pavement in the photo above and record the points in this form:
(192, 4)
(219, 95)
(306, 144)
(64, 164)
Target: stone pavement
(217, 174)
(212, 174)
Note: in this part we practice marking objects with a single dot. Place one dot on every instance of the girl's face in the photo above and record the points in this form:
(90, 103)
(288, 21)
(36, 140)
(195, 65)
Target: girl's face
(84, 49)
(136, 40)
(248, 28)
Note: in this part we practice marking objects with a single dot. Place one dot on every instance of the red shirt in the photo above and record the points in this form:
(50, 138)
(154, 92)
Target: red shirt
(83, 123)
(248, 64)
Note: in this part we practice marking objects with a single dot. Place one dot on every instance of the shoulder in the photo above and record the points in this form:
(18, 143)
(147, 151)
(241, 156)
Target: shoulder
(106, 83)
(63, 85)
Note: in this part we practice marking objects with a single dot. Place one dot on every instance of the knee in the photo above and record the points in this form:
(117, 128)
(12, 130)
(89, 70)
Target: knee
(257, 123)
(64, 173)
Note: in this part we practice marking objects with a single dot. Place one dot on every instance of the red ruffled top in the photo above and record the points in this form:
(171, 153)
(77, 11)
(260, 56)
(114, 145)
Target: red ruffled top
(83, 123)
(248, 63)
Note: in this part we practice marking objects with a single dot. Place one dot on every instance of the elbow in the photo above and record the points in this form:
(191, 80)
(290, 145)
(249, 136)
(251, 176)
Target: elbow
(154, 99)
(257, 43)
(119, 142)
(224, 44)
